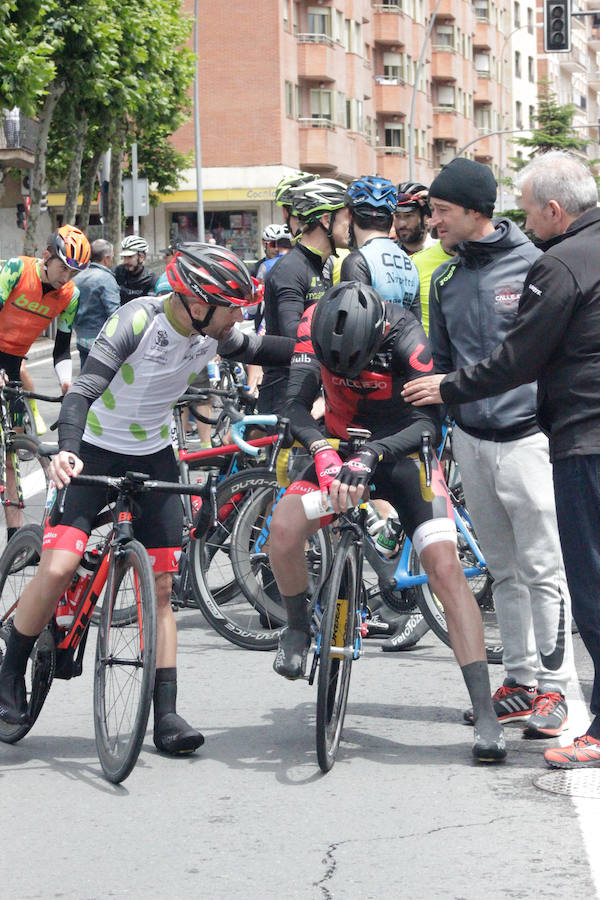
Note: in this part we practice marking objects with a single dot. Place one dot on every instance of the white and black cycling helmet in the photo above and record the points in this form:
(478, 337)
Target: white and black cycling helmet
(133, 244)
(276, 232)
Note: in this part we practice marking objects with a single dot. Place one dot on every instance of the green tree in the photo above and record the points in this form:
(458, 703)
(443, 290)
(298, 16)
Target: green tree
(554, 131)
(26, 48)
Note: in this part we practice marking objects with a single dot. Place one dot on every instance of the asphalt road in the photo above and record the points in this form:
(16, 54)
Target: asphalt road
(405, 812)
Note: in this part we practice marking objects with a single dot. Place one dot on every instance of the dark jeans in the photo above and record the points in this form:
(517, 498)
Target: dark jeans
(577, 493)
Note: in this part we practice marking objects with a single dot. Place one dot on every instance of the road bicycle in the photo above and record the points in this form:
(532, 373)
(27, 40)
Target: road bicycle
(120, 571)
(23, 471)
(396, 586)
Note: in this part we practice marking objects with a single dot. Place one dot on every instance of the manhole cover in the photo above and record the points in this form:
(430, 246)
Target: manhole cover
(574, 783)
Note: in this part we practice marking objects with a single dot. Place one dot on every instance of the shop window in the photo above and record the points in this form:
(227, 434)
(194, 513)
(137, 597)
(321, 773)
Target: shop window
(237, 230)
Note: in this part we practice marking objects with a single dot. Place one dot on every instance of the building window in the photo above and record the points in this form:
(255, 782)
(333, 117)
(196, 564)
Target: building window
(319, 21)
(446, 98)
(532, 116)
(443, 36)
(393, 66)
(482, 64)
(531, 69)
(482, 10)
(519, 114)
(295, 18)
(395, 3)
(339, 26)
(483, 118)
(394, 136)
(286, 14)
(298, 99)
(289, 99)
(340, 109)
(530, 23)
(517, 64)
(517, 15)
(320, 105)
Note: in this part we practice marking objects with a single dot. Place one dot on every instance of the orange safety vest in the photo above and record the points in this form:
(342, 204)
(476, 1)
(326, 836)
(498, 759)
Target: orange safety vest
(28, 311)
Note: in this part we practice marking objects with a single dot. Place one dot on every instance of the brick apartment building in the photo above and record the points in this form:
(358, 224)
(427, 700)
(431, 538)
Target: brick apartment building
(337, 87)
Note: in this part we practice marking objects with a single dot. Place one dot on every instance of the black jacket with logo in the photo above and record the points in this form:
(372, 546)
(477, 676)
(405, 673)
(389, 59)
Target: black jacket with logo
(556, 340)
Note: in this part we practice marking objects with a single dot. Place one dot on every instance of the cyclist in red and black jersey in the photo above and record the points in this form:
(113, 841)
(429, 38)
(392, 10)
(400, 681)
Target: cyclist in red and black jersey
(361, 350)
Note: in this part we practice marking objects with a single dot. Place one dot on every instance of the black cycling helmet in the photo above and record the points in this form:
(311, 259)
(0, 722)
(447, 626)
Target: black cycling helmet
(347, 327)
(406, 200)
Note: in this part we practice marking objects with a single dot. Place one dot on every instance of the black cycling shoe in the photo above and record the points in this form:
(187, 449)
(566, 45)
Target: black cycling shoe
(172, 734)
(292, 653)
(489, 748)
(13, 700)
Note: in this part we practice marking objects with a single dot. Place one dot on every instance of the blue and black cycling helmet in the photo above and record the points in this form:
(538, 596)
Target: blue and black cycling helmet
(369, 192)
(347, 327)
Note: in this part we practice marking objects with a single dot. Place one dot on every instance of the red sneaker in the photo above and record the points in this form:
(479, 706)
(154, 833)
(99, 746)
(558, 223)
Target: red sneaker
(584, 752)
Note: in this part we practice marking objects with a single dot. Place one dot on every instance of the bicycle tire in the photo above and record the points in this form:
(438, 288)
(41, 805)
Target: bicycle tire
(433, 610)
(340, 596)
(216, 591)
(125, 662)
(251, 567)
(33, 474)
(17, 566)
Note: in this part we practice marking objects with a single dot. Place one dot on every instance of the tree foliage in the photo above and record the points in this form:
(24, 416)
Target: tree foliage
(98, 76)
(554, 131)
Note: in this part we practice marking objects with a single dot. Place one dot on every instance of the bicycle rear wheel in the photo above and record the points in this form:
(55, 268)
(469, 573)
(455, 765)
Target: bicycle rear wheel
(338, 645)
(18, 565)
(251, 567)
(217, 592)
(481, 586)
(125, 662)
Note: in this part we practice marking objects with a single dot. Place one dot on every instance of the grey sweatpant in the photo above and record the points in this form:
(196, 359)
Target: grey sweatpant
(510, 496)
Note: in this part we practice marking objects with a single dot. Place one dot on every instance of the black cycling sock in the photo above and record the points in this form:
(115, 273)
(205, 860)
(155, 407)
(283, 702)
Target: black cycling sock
(297, 612)
(18, 648)
(477, 680)
(10, 532)
(165, 692)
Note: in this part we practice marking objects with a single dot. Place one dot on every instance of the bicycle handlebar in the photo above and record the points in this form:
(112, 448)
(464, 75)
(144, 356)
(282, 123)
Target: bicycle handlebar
(16, 389)
(236, 429)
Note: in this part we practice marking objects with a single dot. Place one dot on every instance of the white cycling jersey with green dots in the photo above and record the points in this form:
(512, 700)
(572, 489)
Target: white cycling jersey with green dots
(153, 363)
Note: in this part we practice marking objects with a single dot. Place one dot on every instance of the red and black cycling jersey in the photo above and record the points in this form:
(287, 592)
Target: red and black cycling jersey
(373, 400)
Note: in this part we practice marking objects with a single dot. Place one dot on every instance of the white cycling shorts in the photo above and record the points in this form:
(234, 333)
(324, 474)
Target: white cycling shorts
(432, 532)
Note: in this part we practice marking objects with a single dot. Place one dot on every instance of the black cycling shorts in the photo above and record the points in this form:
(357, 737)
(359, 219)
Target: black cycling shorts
(12, 367)
(157, 518)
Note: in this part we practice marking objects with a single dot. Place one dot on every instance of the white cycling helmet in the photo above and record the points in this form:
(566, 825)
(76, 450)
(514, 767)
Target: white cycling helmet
(276, 232)
(133, 244)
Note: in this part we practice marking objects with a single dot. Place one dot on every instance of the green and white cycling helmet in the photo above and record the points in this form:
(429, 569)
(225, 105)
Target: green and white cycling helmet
(322, 195)
(283, 196)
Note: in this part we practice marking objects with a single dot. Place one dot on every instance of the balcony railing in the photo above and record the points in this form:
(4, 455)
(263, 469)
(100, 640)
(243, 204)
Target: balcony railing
(17, 132)
(315, 38)
(317, 122)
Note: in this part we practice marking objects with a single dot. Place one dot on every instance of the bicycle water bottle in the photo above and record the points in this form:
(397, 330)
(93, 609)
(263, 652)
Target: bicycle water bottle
(374, 522)
(50, 498)
(214, 372)
(68, 603)
(389, 536)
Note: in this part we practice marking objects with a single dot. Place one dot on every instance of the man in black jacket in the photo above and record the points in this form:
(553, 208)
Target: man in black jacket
(556, 340)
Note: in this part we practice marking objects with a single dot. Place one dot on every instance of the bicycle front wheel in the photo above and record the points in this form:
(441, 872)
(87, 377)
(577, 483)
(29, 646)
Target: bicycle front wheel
(338, 645)
(125, 661)
(18, 565)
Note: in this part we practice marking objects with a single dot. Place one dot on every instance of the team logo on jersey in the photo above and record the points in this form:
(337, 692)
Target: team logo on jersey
(162, 338)
(506, 297)
(416, 363)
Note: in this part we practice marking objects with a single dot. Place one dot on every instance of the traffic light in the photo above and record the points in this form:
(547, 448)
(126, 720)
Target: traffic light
(557, 26)
(21, 216)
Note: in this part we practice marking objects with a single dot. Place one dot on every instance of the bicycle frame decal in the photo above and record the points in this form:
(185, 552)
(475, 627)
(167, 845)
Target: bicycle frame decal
(264, 534)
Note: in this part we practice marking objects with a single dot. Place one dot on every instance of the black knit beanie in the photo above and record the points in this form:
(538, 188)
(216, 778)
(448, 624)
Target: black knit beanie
(466, 183)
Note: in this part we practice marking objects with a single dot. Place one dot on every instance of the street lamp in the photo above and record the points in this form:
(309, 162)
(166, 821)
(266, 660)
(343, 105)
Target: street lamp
(197, 144)
(413, 102)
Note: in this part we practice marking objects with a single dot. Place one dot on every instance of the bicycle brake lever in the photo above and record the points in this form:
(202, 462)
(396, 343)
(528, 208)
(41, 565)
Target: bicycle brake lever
(426, 456)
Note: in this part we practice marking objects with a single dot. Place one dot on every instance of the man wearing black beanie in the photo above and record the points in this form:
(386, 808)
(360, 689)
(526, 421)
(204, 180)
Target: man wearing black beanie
(501, 453)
